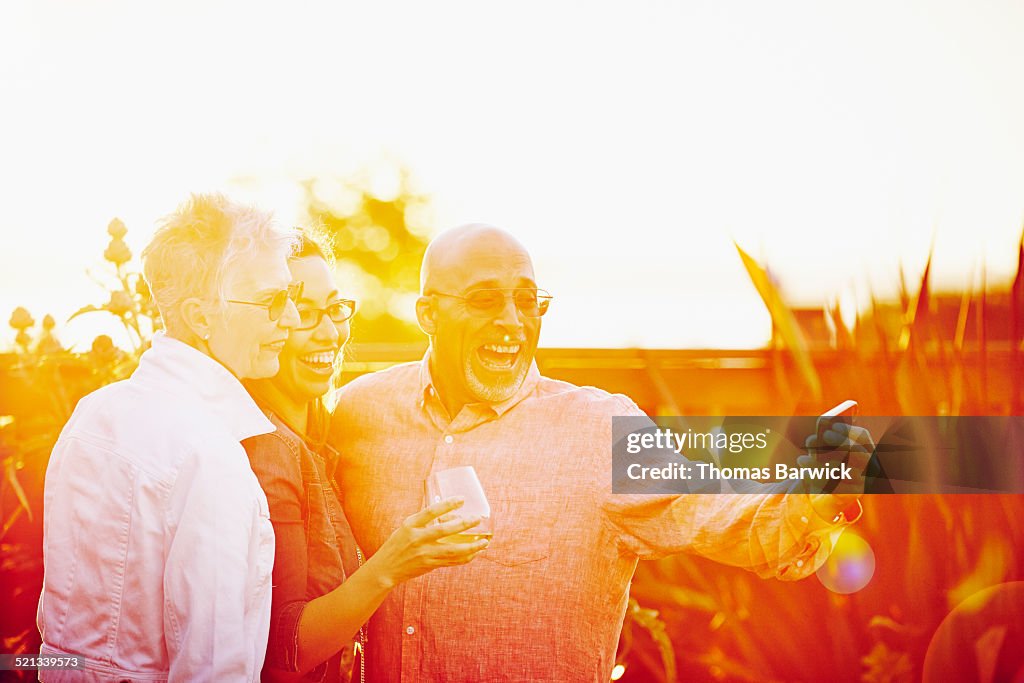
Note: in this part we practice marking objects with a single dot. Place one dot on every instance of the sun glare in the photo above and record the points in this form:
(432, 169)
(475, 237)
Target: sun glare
(835, 144)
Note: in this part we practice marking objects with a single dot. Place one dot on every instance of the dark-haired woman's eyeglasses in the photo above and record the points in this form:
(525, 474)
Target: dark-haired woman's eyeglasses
(339, 311)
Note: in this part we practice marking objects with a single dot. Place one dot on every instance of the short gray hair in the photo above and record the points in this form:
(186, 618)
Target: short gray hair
(194, 247)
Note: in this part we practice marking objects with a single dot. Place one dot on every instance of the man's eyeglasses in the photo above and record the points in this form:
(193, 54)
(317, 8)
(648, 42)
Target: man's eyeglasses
(339, 311)
(489, 303)
(275, 307)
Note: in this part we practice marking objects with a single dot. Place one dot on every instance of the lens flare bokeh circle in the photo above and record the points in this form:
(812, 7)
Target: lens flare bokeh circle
(982, 639)
(849, 567)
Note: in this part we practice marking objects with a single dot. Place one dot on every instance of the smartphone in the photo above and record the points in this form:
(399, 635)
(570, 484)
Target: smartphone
(844, 412)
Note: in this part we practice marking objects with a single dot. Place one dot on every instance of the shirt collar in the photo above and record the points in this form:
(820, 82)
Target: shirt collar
(175, 366)
(429, 393)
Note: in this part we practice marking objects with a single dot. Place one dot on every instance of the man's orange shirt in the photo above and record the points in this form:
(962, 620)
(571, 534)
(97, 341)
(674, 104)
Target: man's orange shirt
(546, 600)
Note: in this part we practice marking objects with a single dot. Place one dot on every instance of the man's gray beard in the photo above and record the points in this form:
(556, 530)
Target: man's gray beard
(490, 393)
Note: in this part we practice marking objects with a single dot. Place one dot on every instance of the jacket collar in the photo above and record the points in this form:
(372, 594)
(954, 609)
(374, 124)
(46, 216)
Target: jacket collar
(176, 367)
(300, 441)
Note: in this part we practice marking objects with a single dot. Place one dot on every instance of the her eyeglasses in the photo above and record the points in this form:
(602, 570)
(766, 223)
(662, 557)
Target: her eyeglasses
(339, 311)
(275, 307)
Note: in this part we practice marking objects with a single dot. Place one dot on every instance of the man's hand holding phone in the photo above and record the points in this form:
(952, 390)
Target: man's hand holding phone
(838, 440)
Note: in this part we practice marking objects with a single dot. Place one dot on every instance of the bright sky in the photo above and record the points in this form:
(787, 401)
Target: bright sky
(627, 144)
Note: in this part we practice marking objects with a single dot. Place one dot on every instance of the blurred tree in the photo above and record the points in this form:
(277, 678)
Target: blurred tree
(380, 227)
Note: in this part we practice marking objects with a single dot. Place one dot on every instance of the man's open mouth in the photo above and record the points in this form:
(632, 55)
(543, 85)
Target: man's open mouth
(498, 356)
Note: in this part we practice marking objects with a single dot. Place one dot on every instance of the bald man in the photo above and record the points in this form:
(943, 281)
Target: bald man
(546, 600)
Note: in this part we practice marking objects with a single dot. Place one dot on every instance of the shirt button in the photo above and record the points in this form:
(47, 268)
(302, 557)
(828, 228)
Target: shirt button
(410, 630)
(804, 520)
(448, 438)
(799, 563)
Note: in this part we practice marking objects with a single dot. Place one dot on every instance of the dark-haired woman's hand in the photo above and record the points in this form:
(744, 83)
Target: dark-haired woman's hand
(418, 546)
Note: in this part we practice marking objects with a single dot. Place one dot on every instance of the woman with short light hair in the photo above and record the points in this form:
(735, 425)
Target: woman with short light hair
(157, 541)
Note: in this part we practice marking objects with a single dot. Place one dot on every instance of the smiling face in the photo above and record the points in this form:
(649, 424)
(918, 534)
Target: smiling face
(309, 356)
(476, 358)
(242, 337)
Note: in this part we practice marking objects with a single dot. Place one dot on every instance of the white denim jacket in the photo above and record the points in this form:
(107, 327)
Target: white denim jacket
(157, 542)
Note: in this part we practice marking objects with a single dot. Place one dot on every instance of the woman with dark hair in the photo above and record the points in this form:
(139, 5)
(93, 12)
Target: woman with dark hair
(316, 610)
